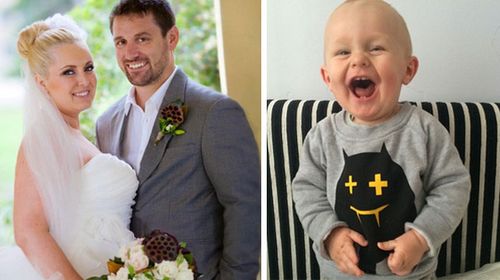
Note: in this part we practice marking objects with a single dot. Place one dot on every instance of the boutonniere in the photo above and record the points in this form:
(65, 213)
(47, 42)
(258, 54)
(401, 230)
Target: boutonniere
(172, 116)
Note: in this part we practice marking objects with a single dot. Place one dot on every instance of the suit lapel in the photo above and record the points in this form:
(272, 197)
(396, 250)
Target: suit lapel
(121, 125)
(121, 130)
(154, 153)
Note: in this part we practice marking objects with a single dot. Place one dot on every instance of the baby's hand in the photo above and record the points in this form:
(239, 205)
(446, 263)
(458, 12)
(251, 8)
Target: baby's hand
(408, 251)
(340, 247)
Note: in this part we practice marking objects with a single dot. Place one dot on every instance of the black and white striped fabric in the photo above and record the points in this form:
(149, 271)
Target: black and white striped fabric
(475, 130)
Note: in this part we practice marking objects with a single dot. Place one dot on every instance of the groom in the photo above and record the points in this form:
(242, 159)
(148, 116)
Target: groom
(202, 186)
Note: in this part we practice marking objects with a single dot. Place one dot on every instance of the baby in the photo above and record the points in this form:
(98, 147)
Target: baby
(380, 185)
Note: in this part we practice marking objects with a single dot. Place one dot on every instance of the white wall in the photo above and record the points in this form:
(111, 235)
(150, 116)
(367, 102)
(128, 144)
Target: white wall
(457, 43)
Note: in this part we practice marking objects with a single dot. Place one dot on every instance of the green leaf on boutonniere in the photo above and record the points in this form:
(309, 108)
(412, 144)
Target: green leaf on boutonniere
(172, 116)
(179, 132)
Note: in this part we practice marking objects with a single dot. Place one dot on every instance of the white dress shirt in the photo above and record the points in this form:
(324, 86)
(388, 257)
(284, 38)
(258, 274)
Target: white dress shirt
(140, 123)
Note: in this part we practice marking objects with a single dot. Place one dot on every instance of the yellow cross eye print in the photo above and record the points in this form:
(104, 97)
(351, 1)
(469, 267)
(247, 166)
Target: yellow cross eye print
(378, 184)
(351, 184)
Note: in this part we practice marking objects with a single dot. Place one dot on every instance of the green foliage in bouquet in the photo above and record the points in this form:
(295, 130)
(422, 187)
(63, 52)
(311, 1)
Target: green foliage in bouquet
(196, 52)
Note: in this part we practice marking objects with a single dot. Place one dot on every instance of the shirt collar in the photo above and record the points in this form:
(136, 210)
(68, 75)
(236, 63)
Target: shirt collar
(155, 100)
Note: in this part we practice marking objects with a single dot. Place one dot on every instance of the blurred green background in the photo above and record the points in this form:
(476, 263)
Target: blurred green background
(196, 54)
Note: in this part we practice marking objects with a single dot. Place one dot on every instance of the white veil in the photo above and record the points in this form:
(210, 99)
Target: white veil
(51, 150)
(52, 153)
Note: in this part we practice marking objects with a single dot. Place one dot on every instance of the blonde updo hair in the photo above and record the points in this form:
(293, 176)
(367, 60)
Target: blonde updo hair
(35, 40)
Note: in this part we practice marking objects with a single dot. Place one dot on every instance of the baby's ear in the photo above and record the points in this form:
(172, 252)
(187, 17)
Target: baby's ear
(326, 77)
(411, 70)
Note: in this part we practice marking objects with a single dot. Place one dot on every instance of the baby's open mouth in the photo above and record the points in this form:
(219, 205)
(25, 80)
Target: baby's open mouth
(362, 87)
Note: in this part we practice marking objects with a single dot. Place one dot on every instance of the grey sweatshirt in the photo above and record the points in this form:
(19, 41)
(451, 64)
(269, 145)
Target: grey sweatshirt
(381, 181)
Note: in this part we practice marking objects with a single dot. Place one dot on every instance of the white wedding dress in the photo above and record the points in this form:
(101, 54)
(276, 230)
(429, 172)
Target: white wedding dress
(108, 187)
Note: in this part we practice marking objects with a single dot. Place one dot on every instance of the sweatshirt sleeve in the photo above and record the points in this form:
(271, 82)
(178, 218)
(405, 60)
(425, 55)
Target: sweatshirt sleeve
(310, 192)
(447, 186)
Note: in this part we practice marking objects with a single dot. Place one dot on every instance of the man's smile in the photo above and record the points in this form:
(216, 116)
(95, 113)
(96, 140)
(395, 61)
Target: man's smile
(136, 65)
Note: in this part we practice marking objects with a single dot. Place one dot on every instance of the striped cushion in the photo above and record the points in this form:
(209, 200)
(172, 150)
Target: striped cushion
(474, 128)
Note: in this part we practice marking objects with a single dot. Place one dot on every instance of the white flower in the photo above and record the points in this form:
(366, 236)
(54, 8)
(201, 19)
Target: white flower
(184, 265)
(136, 247)
(128, 250)
(167, 268)
(135, 255)
(185, 275)
(136, 251)
(121, 274)
(123, 254)
(137, 242)
(138, 261)
(184, 272)
(140, 276)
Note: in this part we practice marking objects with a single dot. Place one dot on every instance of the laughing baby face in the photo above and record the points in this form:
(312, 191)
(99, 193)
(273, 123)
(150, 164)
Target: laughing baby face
(367, 59)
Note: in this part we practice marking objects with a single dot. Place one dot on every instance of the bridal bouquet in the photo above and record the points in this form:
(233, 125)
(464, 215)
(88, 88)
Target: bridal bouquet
(156, 257)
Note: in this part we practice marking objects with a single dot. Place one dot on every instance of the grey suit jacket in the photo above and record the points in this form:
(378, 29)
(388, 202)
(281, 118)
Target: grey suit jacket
(203, 186)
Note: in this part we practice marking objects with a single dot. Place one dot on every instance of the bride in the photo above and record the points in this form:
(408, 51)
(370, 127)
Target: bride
(72, 204)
